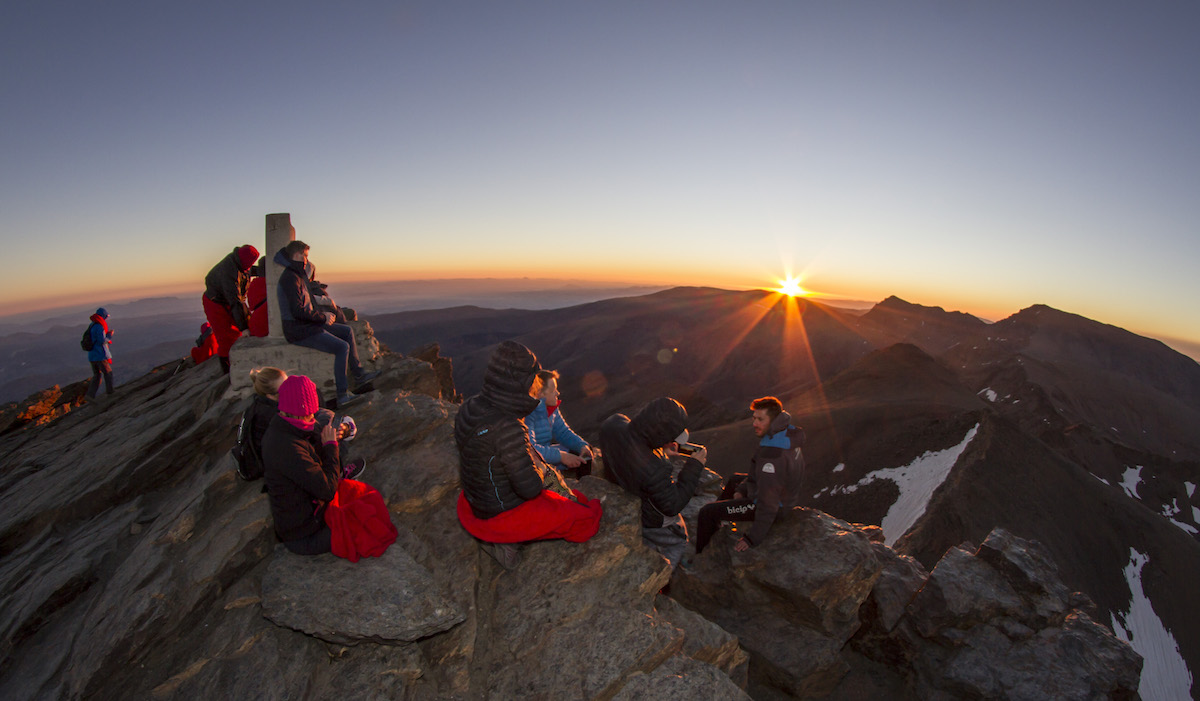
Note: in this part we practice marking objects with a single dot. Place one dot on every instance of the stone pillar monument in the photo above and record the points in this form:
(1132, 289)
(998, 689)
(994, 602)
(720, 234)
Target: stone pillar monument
(280, 233)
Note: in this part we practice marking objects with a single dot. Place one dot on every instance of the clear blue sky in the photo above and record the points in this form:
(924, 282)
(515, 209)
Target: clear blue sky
(977, 156)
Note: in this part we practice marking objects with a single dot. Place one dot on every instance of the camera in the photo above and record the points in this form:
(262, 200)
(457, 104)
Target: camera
(689, 448)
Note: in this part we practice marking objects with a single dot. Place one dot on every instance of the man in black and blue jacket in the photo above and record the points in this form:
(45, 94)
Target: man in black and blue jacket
(773, 483)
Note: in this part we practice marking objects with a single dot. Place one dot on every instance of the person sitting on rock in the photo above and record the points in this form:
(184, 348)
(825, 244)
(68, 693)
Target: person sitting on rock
(550, 434)
(637, 456)
(224, 298)
(301, 468)
(265, 406)
(206, 344)
(304, 325)
(772, 484)
(504, 500)
(100, 357)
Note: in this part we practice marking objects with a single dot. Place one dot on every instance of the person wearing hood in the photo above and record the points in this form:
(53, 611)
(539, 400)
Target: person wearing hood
(504, 499)
(206, 344)
(305, 325)
(552, 438)
(773, 483)
(224, 298)
(301, 468)
(637, 456)
(100, 356)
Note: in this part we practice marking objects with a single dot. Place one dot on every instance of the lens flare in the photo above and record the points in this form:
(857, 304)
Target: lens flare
(791, 287)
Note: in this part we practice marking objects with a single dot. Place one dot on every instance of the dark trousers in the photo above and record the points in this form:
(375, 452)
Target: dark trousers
(316, 544)
(100, 367)
(726, 508)
(337, 339)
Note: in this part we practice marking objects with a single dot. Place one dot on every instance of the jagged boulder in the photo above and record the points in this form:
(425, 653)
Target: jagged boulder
(999, 623)
(792, 602)
(825, 612)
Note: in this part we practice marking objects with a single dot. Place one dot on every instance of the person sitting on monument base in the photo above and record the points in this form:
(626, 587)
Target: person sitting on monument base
(305, 325)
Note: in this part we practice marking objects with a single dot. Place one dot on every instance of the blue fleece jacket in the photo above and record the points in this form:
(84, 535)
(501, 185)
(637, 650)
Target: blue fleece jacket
(547, 430)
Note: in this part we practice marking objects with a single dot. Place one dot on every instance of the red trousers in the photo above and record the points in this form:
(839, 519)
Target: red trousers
(544, 517)
(222, 324)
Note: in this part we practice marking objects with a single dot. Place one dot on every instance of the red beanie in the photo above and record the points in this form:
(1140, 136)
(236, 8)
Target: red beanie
(247, 256)
(298, 396)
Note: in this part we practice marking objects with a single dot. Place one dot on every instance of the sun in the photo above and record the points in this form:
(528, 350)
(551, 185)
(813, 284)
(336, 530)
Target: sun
(791, 287)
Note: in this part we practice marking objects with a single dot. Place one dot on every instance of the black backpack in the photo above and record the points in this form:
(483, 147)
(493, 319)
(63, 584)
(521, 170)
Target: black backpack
(246, 460)
(86, 342)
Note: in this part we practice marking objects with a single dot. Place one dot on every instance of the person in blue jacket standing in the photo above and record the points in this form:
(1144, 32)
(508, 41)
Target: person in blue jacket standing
(549, 433)
(100, 356)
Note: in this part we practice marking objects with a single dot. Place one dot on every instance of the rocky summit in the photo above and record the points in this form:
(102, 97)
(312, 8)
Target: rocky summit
(136, 564)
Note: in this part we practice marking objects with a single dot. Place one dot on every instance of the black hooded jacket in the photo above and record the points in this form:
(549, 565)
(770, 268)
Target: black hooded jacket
(300, 318)
(634, 458)
(497, 466)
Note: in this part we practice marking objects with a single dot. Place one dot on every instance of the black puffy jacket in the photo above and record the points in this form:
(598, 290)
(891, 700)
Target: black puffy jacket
(634, 458)
(497, 466)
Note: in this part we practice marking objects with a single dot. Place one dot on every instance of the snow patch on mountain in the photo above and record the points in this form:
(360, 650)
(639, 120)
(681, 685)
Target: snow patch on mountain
(1131, 479)
(917, 482)
(1171, 510)
(990, 394)
(1165, 675)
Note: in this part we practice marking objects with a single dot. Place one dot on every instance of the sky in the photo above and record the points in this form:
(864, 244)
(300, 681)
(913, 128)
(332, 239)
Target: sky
(981, 157)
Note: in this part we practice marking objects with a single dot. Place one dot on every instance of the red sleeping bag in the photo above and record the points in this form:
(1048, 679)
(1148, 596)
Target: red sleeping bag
(359, 521)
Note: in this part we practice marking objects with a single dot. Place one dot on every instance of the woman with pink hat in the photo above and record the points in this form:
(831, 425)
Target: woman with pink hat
(302, 468)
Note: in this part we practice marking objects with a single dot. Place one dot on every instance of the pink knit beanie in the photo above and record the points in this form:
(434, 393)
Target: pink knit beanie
(298, 396)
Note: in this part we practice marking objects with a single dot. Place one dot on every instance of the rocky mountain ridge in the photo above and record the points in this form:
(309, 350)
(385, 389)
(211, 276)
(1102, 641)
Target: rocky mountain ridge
(136, 564)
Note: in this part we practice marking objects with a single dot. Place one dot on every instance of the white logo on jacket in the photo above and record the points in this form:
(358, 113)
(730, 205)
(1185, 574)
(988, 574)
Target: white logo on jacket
(769, 467)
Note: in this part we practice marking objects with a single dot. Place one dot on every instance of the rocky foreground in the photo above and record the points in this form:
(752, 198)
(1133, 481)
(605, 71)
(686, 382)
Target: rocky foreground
(135, 564)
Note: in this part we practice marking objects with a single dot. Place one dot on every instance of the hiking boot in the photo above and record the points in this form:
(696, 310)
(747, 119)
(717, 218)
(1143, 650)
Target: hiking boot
(354, 468)
(507, 554)
(347, 399)
(364, 377)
